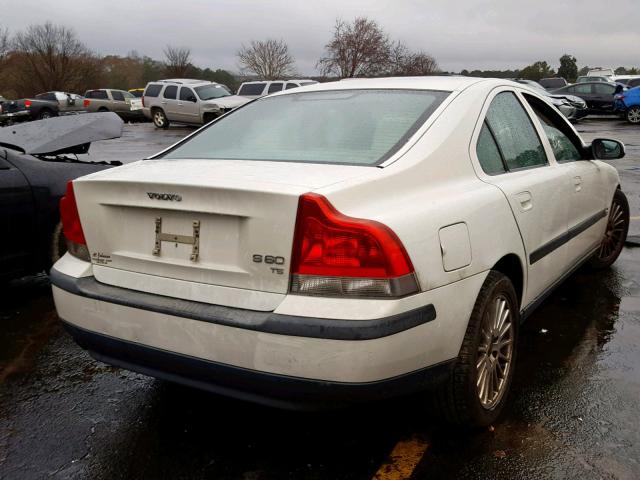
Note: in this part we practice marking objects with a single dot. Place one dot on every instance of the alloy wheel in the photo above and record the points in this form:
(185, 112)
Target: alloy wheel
(158, 119)
(633, 115)
(495, 352)
(614, 234)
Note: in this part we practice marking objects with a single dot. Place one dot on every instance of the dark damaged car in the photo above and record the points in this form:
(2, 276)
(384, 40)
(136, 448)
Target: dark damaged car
(37, 159)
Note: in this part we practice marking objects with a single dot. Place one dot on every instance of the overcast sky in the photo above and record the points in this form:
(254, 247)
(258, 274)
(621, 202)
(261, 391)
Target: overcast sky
(482, 34)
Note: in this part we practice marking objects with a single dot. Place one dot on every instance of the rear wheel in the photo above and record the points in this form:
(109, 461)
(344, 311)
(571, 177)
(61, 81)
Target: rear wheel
(45, 113)
(160, 120)
(616, 233)
(58, 245)
(103, 109)
(633, 115)
(477, 388)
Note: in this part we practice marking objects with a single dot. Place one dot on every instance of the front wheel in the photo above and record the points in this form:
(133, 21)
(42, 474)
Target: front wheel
(44, 114)
(477, 388)
(633, 115)
(615, 234)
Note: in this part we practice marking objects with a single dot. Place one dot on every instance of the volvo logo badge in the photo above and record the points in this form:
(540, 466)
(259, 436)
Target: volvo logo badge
(171, 197)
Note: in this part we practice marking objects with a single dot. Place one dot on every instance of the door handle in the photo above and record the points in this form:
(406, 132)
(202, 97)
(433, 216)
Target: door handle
(577, 183)
(525, 200)
(163, 103)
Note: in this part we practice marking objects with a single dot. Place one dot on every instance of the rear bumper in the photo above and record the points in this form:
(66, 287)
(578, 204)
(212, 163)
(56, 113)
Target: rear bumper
(275, 358)
(259, 387)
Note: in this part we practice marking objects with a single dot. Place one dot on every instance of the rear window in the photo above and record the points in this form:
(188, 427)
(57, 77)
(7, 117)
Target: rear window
(251, 89)
(353, 127)
(153, 90)
(99, 94)
(552, 82)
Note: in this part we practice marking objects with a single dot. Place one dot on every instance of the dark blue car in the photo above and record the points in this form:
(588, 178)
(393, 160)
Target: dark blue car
(628, 104)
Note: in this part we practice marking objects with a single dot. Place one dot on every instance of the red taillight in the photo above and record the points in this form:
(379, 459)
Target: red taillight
(27, 103)
(70, 218)
(338, 255)
(86, 102)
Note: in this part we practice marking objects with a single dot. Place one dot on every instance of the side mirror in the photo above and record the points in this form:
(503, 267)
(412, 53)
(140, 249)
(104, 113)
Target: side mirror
(606, 149)
(192, 98)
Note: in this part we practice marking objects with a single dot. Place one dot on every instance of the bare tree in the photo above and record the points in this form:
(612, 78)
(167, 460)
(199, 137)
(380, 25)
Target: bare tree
(269, 59)
(50, 57)
(360, 48)
(4, 43)
(177, 61)
(417, 64)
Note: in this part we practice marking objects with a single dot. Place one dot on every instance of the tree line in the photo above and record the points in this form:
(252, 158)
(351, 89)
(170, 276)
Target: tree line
(50, 57)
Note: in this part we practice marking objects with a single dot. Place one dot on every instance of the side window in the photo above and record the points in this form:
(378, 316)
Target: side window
(488, 153)
(582, 89)
(117, 95)
(186, 94)
(604, 89)
(290, 85)
(563, 141)
(635, 82)
(170, 92)
(275, 87)
(514, 133)
(153, 90)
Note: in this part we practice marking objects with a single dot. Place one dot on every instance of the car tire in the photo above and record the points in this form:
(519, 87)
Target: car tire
(103, 109)
(477, 388)
(160, 119)
(58, 245)
(615, 234)
(45, 113)
(633, 115)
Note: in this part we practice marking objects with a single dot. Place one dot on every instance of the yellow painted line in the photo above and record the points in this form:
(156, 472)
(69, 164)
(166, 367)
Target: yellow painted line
(634, 218)
(403, 460)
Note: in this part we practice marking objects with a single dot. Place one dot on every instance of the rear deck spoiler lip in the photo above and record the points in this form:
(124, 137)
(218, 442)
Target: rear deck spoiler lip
(59, 135)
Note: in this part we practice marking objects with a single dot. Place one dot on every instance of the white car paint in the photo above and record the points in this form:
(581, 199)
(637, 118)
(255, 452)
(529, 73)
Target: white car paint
(455, 222)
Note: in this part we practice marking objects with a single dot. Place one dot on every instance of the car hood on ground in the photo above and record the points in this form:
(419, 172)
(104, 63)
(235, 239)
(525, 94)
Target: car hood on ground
(59, 135)
(232, 101)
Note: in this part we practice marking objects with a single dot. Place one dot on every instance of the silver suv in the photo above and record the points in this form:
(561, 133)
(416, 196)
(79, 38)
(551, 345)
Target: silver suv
(188, 101)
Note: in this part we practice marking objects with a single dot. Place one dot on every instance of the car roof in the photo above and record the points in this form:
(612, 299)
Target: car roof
(186, 81)
(276, 81)
(443, 83)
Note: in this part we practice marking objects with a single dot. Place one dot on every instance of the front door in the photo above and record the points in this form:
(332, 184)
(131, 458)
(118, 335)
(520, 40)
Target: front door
(16, 221)
(512, 156)
(587, 202)
(188, 106)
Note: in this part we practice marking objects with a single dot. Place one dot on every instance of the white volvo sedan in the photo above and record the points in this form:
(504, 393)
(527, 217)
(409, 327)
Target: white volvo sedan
(342, 242)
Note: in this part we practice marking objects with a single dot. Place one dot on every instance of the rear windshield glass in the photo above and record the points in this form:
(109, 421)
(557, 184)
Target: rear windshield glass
(251, 89)
(361, 127)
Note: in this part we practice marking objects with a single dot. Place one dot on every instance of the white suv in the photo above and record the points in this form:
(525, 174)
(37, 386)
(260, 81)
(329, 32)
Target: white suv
(261, 88)
(188, 101)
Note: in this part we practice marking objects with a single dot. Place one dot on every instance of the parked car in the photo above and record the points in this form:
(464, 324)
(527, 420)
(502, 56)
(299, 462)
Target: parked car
(598, 95)
(188, 101)
(342, 242)
(67, 102)
(121, 102)
(630, 81)
(26, 109)
(553, 83)
(137, 92)
(586, 79)
(260, 88)
(608, 73)
(627, 104)
(572, 107)
(37, 160)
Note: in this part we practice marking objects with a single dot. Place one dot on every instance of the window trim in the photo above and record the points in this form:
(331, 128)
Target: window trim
(485, 110)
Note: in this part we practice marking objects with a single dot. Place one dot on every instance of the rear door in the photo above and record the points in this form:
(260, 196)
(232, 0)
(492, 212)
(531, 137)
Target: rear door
(16, 220)
(603, 96)
(170, 102)
(512, 157)
(119, 102)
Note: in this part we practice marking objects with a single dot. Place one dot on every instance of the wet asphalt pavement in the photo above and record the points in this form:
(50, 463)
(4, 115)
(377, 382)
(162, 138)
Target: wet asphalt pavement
(573, 412)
